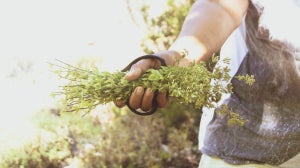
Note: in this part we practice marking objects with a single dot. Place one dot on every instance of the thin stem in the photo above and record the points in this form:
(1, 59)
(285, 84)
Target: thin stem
(76, 68)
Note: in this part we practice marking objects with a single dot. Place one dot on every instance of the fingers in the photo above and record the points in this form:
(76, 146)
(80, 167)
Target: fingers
(140, 97)
(147, 100)
(143, 99)
(136, 97)
(141, 67)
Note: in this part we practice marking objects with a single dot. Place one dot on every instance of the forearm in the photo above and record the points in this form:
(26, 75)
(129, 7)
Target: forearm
(205, 29)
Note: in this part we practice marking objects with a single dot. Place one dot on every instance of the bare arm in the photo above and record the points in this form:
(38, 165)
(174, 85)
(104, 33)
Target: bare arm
(206, 28)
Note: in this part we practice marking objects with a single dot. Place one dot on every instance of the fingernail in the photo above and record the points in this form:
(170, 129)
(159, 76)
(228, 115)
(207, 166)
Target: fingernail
(149, 90)
(129, 73)
(139, 90)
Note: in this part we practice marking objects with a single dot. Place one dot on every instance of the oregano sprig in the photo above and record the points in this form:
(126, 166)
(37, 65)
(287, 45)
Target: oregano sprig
(189, 85)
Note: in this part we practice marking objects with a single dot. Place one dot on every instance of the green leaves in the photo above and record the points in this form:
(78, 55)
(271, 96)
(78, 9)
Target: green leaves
(194, 85)
(155, 75)
(248, 79)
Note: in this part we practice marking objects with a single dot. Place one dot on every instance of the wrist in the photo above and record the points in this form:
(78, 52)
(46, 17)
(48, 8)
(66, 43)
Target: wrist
(175, 57)
(197, 50)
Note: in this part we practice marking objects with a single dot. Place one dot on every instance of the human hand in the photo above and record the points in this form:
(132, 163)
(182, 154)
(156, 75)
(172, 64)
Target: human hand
(143, 98)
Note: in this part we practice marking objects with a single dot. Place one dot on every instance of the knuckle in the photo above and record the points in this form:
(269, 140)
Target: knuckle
(119, 103)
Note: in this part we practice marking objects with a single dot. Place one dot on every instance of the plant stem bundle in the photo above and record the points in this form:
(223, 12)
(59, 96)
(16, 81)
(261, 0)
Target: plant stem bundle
(193, 84)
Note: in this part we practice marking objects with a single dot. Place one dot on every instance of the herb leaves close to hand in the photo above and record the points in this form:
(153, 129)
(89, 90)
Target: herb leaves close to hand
(193, 84)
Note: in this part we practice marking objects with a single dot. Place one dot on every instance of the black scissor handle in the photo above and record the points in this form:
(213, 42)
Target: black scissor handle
(154, 103)
(148, 56)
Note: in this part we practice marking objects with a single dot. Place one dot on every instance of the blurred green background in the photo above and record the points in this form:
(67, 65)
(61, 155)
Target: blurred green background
(105, 34)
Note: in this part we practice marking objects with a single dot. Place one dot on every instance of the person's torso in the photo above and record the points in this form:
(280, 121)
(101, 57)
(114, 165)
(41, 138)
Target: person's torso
(271, 105)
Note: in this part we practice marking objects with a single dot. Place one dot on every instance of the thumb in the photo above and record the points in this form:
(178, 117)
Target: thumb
(134, 73)
(139, 68)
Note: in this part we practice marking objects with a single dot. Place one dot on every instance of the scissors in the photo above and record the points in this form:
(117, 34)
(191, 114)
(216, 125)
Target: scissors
(154, 103)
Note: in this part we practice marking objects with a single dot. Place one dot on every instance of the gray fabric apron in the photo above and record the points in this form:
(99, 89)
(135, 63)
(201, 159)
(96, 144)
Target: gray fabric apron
(271, 106)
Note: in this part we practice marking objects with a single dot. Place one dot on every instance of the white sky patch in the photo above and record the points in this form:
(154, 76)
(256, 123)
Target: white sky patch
(278, 14)
(43, 30)
(35, 32)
